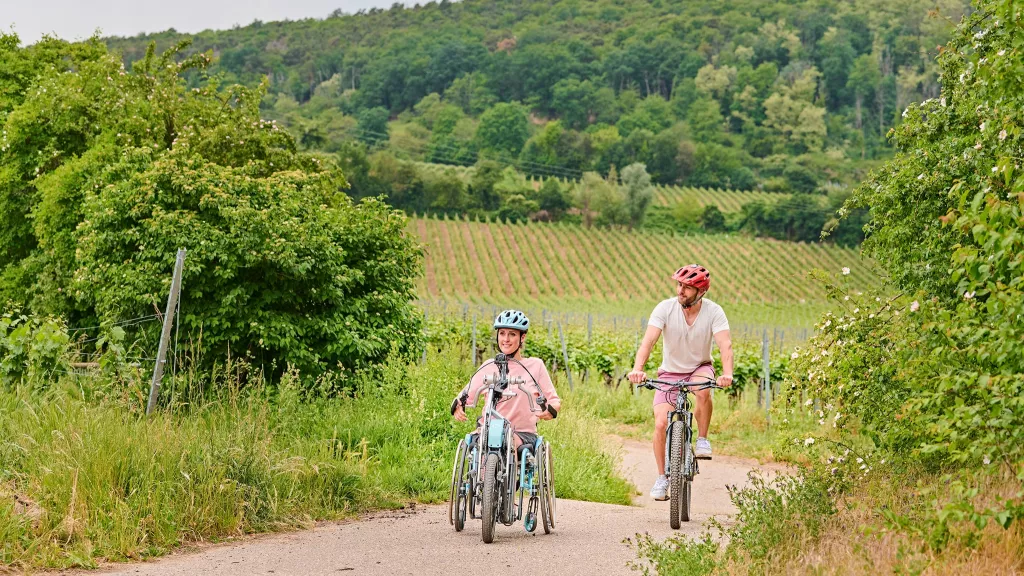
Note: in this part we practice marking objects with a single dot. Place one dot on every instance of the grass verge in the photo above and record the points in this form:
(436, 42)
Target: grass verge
(84, 478)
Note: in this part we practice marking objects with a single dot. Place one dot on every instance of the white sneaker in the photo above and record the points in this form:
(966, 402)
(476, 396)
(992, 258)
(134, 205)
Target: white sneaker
(703, 449)
(660, 490)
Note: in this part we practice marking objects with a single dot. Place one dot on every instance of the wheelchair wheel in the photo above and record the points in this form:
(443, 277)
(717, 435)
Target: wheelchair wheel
(547, 489)
(458, 473)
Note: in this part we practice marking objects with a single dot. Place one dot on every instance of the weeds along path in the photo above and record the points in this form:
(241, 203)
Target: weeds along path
(588, 538)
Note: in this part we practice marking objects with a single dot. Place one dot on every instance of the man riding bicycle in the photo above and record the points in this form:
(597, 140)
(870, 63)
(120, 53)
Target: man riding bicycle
(690, 323)
(511, 327)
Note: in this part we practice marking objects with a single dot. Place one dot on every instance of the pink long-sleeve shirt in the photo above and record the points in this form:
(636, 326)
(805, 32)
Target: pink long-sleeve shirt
(518, 409)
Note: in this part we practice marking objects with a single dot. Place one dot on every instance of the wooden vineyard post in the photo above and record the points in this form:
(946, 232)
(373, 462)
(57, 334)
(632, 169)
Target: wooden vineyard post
(474, 338)
(426, 316)
(565, 355)
(590, 331)
(165, 333)
(767, 380)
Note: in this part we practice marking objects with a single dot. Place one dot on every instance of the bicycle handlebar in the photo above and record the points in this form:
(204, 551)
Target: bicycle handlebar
(688, 385)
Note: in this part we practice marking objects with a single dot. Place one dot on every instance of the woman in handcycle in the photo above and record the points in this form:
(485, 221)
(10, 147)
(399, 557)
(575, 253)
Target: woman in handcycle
(520, 410)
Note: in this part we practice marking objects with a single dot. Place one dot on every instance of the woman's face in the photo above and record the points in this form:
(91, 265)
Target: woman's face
(509, 340)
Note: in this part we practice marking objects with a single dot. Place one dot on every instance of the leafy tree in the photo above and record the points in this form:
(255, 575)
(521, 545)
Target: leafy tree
(373, 124)
(552, 198)
(503, 129)
(705, 120)
(517, 208)
(447, 192)
(282, 266)
(639, 192)
(712, 219)
(486, 175)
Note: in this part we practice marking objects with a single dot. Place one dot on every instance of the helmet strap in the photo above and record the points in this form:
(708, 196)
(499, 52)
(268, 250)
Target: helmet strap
(695, 302)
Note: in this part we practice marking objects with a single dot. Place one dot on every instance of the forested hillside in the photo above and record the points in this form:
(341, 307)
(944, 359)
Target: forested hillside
(743, 94)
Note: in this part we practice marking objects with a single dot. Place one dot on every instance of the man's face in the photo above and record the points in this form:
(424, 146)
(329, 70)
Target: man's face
(509, 340)
(687, 294)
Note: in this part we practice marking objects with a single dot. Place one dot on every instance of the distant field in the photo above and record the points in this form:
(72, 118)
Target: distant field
(618, 273)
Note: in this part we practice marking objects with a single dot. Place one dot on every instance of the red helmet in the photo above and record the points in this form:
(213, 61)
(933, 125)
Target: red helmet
(694, 275)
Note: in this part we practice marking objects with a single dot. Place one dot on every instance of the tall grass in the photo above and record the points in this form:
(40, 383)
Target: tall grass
(85, 478)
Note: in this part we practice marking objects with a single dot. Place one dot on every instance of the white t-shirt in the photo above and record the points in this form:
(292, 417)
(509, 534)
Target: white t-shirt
(686, 347)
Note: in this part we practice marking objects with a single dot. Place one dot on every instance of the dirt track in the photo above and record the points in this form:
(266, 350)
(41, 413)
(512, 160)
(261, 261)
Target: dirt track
(588, 538)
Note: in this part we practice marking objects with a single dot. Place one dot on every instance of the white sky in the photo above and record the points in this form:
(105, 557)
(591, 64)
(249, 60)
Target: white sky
(78, 19)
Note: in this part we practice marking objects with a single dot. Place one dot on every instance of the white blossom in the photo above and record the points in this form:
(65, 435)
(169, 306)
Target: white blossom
(846, 271)
(915, 306)
(809, 402)
(977, 146)
(968, 295)
(982, 126)
(794, 356)
(920, 176)
(1002, 134)
(809, 441)
(943, 101)
(1001, 53)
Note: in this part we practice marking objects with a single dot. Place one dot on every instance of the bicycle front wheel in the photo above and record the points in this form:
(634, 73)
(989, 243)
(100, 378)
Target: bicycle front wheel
(678, 441)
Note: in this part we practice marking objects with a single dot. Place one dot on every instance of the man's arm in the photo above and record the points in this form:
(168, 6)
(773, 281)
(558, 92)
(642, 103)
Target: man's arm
(644, 353)
(724, 342)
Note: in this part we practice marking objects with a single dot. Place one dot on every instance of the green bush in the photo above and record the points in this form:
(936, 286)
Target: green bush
(121, 169)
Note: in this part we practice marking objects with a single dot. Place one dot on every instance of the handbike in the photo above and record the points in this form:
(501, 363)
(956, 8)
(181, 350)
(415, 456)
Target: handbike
(491, 478)
(680, 463)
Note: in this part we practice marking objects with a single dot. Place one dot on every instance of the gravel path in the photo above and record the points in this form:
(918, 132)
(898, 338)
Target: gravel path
(588, 538)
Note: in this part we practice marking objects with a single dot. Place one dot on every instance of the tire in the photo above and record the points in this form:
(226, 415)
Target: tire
(548, 502)
(689, 463)
(457, 468)
(490, 501)
(463, 493)
(677, 441)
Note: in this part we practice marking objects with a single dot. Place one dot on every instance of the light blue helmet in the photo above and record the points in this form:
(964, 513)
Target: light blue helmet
(512, 319)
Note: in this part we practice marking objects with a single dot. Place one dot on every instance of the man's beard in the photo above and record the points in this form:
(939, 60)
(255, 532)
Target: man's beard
(687, 302)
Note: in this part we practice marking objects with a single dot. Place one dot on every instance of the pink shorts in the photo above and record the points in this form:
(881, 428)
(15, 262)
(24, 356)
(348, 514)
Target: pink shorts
(662, 397)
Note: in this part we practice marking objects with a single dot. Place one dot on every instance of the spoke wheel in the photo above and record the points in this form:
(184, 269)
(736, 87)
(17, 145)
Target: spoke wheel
(490, 498)
(458, 469)
(547, 489)
(677, 441)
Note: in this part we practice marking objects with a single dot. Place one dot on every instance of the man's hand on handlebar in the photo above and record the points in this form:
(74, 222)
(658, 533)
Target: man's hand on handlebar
(724, 381)
(637, 376)
(460, 412)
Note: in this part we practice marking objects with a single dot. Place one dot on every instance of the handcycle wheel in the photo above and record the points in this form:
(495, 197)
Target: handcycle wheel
(490, 498)
(677, 441)
(458, 470)
(547, 488)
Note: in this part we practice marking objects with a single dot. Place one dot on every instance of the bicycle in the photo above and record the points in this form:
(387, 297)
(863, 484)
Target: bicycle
(489, 470)
(680, 463)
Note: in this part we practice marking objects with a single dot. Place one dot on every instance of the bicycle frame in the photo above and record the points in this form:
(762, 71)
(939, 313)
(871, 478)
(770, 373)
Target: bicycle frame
(681, 415)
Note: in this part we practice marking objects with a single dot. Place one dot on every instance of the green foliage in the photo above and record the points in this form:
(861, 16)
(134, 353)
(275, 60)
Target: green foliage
(712, 219)
(121, 169)
(32, 349)
(786, 78)
(639, 191)
(503, 129)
